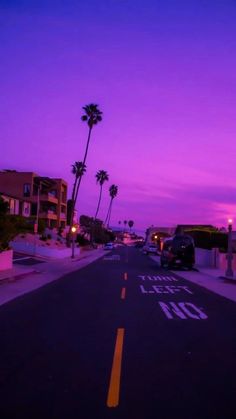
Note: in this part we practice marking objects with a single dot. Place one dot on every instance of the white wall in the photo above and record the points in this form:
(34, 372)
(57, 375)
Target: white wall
(212, 258)
(30, 249)
(6, 260)
(204, 257)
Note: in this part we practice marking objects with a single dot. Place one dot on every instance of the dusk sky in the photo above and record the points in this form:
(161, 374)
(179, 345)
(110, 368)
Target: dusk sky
(164, 74)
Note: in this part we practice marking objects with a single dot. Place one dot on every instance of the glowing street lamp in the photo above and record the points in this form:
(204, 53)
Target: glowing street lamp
(229, 271)
(73, 231)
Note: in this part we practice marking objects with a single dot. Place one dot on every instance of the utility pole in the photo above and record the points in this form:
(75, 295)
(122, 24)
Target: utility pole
(229, 271)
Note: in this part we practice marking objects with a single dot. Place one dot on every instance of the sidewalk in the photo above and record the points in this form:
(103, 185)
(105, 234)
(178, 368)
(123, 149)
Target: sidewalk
(23, 279)
(211, 278)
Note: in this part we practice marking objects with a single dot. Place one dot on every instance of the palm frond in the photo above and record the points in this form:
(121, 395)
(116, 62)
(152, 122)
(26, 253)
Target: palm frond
(92, 114)
(113, 190)
(102, 176)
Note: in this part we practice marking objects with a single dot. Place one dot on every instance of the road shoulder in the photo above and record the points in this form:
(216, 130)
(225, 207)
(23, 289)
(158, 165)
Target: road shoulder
(20, 281)
(210, 280)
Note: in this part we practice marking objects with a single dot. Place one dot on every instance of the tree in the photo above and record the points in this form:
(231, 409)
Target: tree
(102, 177)
(125, 222)
(130, 224)
(78, 170)
(7, 228)
(113, 190)
(4, 206)
(100, 234)
(92, 115)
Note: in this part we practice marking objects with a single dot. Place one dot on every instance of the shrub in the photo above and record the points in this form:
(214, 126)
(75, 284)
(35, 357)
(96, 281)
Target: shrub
(209, 239)
(81, 240)
(7, 232)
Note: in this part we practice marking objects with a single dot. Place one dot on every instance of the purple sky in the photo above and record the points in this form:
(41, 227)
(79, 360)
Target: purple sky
(164, 74)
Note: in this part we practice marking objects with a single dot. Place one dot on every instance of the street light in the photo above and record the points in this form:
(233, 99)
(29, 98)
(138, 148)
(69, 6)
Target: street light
(37, 213)
(229, 271)
(36, 223)
(73, 231)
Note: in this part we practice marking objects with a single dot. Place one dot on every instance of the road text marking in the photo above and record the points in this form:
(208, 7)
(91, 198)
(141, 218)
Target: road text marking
(182, 311)
(158, 278)
(114, 387)
(164, 289)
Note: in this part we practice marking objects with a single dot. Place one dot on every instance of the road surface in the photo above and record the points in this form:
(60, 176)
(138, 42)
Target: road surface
(120, 338)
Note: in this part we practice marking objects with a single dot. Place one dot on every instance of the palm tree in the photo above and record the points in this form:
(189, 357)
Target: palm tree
(125, 222)
(113, 190)
(130, 224)
(92, 116)
(101, 176)
(78, 170)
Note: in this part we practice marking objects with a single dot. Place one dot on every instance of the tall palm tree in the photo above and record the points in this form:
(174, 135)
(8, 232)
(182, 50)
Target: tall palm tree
(113, 190)
(130, 224)
(102, 177)
(92, 115)
(78, 170)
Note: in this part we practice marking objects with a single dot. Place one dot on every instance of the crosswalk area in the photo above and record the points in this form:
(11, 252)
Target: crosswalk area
(112, 257)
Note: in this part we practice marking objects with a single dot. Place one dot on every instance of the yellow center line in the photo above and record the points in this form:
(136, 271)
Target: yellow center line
(114, 387)
(125, 276)
(123, 293)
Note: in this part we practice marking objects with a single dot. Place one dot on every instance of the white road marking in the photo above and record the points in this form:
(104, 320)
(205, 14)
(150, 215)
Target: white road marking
(24, 258)
(183, 311)
(113, 257)
(158, 278)
(164, 289)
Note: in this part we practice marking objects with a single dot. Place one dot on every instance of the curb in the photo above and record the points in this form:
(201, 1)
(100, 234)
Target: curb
(15, 277)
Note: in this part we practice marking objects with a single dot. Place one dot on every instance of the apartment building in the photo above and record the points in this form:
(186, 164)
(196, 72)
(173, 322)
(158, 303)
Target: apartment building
(47, 196)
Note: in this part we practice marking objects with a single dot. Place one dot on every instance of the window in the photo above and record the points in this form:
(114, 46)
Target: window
(12, 206)
(26, 189)
(53, 193)
(26, 209)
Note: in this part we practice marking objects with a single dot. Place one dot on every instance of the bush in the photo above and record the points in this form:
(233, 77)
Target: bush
(81, 240)
(209, 239)
(7, 232)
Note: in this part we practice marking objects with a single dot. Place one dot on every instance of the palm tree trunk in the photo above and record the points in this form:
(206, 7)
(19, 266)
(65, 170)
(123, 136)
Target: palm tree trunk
(79, 180)
(99, 201)
(108, 223)
(108, 212)
(84, 161)
(73, 202)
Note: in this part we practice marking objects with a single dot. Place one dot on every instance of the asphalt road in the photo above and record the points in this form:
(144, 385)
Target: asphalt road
(120, 338)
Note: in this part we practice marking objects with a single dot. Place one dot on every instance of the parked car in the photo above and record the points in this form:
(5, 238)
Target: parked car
(150, 248)
(178, 251)
(139, 244)
(108, 246)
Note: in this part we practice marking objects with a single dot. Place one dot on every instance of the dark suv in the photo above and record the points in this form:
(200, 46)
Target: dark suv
(178, 251)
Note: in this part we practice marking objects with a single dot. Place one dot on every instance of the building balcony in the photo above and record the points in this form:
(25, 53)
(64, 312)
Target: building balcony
(46, 197)
(49, 198)
(62, 216)
(51, 215)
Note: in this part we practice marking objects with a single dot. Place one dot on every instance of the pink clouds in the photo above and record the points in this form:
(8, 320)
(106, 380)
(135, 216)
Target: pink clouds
(164, 78)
